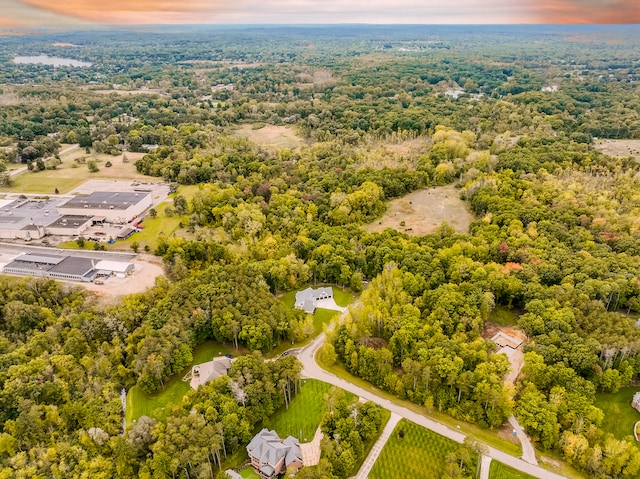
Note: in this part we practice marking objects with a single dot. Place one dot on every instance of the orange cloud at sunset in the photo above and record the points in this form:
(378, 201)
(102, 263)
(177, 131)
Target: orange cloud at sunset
(128, 11)
(586, 11)
(335, 11)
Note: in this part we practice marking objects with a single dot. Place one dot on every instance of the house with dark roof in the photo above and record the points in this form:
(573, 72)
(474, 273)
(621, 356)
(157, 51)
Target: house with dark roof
(271, 455)
(307, 298)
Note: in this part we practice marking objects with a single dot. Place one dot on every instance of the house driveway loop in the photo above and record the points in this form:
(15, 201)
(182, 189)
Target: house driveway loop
(329, 303)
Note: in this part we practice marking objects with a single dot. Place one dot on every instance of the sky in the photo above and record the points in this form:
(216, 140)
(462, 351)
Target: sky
(49, 13)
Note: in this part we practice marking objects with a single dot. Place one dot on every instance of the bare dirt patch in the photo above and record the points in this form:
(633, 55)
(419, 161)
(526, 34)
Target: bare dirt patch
(505, 432)
(619, 147)
(423, 211)
(271, 136)
(144, 277)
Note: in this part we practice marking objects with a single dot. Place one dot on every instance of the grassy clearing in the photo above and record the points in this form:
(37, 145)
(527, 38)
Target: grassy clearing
(502, 471)
(421, 212)
(304, 414)
(159, 404)
(484, 435)
(343, 297)
(271, 136)
(69, 175)
(503, 316)
(154, 228)
(420, 454)
(619, 416)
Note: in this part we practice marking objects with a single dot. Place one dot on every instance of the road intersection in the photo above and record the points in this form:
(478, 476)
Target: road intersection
(310, 369)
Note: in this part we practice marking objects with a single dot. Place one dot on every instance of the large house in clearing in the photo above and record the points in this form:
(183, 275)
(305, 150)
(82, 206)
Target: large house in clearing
(271, 455)
(306, 299)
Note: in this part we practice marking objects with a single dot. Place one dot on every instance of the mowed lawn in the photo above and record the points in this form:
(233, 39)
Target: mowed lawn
(420, 454)
(305, 412)
(619, 416)
(158, 405)
(502, 471)
(321, 316)
(69, 175)
(342, 297)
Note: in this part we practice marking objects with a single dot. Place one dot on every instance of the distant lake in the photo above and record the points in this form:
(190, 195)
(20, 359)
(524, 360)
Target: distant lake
(55, 61)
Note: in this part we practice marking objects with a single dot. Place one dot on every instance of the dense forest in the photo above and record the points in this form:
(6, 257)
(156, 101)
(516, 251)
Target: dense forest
(510, 116)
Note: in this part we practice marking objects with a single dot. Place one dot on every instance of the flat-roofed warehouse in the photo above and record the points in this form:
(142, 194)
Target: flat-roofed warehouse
(115, 206)
(27, 218)
(69, 225)
(74, 268)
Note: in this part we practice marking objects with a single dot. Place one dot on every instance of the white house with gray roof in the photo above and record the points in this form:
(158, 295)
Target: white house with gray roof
(306, 299)
(271, 455)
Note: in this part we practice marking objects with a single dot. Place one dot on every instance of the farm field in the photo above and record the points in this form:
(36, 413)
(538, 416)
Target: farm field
(422, 212)
(619, 416)
(419, 455)
(502, 471)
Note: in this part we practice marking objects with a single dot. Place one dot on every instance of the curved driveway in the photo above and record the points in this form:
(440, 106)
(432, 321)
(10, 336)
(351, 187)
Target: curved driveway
(312, 370)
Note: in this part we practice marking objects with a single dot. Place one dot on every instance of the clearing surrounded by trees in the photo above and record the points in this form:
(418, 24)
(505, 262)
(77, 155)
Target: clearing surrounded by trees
(421, 212)
(271, 136)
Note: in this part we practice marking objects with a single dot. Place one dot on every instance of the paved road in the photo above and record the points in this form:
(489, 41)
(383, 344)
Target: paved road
(485, 467)
(312, 370)
(371, 459)
(528, 451)
(22, 169)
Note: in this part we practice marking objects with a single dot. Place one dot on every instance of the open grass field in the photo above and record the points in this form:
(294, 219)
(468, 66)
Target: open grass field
(619, 416)
(502, 471)
(69, 175)
(423, 211)
(271, 136)
(420, 454)
(619, 147)
(158, 405)
(503, 316)
(304, 414)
